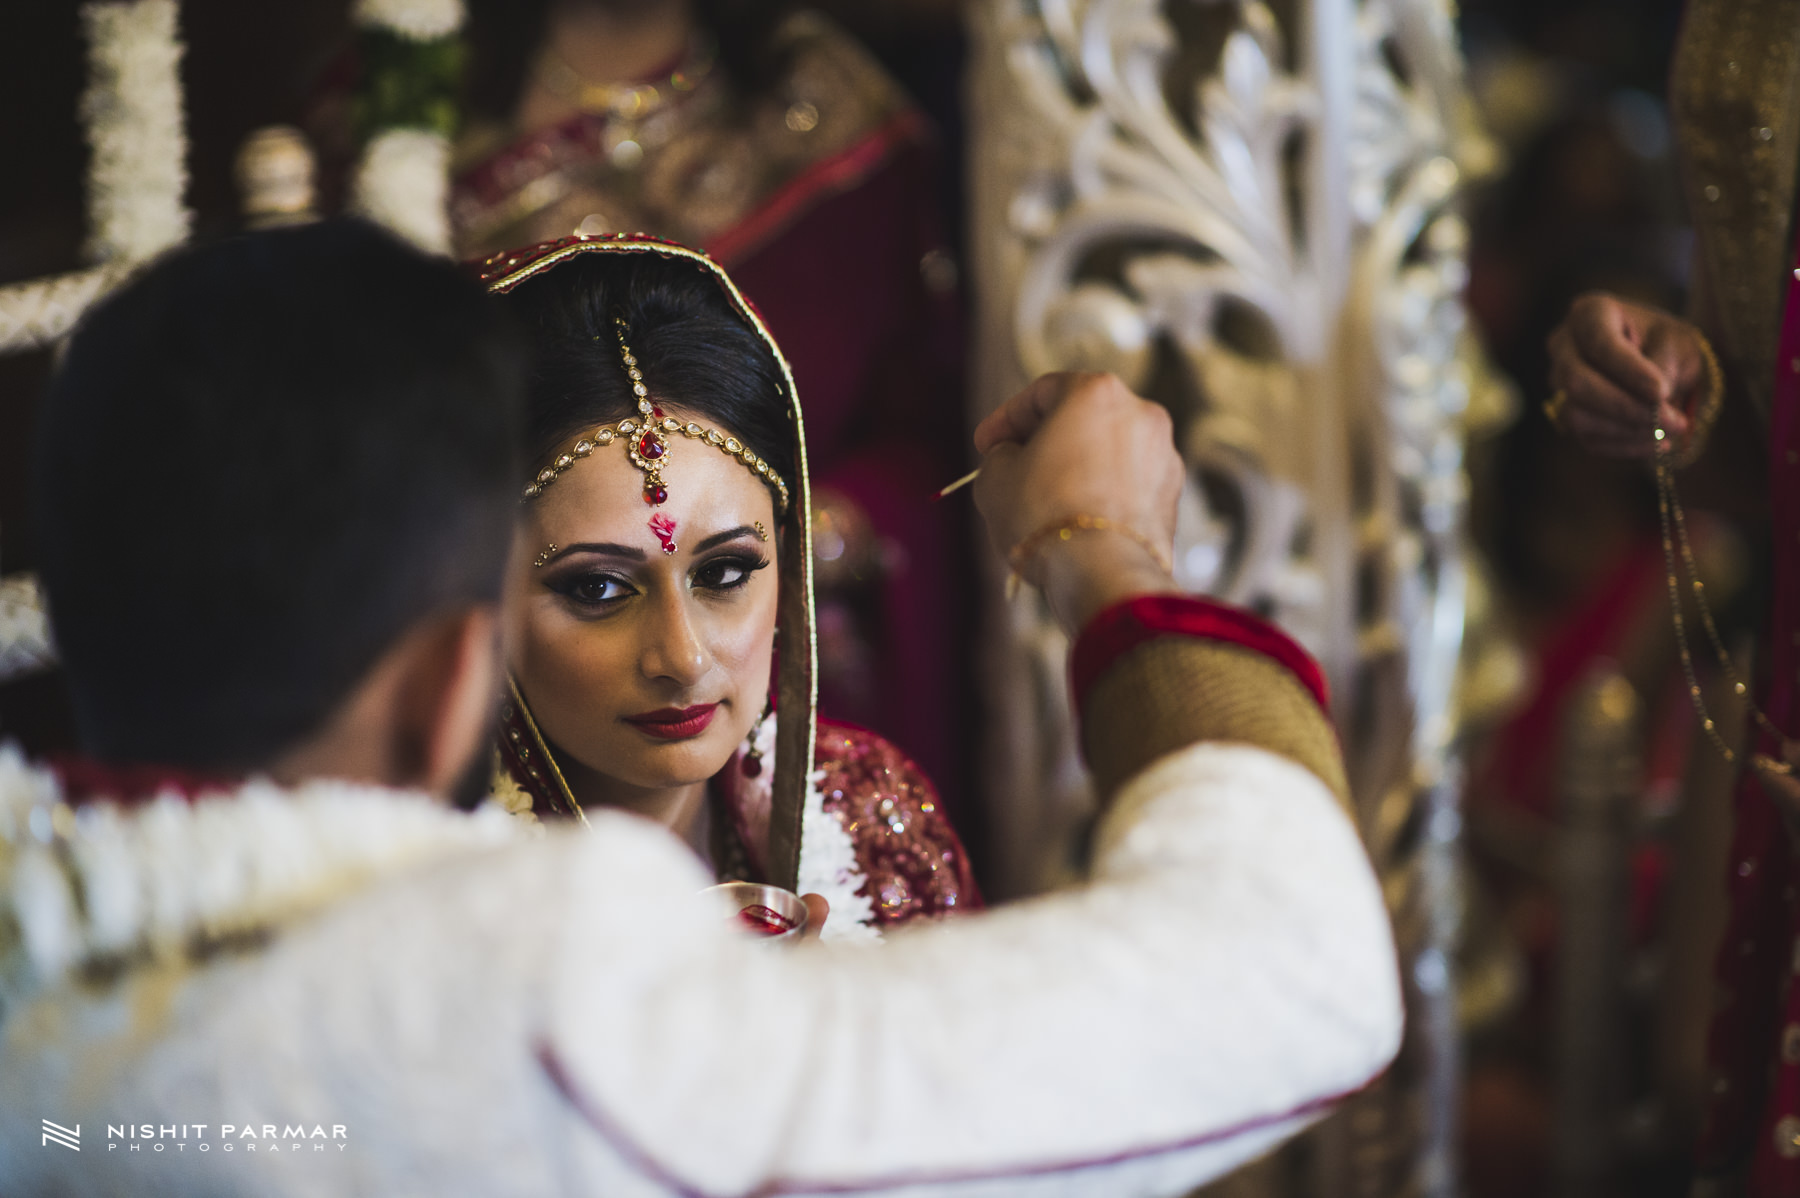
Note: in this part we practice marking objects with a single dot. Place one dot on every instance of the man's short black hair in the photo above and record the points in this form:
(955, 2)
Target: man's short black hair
(259, 465)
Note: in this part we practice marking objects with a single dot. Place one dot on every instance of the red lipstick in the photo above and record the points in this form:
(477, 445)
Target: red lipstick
(674, 723)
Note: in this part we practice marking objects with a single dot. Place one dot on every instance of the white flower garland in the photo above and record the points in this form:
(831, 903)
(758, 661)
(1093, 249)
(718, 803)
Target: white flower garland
(403, 182)
(24, 628)
(156, 877)
(36, 313)
(135, 126)
(420, 20)
(136, 176)
(828, 865)
(403, 178)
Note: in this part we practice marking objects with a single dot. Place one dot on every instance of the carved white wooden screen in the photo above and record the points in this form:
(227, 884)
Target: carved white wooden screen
(1247, 210)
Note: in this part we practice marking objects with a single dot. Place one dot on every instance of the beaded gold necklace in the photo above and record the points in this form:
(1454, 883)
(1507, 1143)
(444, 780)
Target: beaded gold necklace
(1675, 538)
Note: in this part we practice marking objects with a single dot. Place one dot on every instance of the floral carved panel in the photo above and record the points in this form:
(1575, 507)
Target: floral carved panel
(1247, 210)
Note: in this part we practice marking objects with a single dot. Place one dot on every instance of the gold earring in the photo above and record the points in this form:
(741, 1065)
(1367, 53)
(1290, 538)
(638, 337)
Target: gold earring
(752, 765)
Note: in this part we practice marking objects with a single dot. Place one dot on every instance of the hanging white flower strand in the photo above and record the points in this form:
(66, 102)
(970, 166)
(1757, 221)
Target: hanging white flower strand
(403, 183)
(136, 176)
(420, 20)
(24, 628)
(403, 178)
(828, 864)
(134, 119)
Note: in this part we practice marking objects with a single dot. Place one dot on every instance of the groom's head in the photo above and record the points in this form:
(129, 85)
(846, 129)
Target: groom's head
(274, 489)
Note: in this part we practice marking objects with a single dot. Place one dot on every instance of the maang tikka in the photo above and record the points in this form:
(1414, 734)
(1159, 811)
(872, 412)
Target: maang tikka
(649, 449)
(646, 441)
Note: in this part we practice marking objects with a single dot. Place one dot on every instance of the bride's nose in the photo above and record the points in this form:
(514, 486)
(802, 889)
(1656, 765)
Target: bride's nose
(672, 648)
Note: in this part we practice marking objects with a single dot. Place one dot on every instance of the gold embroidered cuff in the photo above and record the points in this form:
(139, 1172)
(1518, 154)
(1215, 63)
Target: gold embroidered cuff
(1176, 691)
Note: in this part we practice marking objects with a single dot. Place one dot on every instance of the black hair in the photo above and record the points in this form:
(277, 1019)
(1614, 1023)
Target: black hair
(260, 464)
(696, 352)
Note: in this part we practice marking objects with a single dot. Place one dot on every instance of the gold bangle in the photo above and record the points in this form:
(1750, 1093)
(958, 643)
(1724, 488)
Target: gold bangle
(1705, 413)
(1553, 408)
(1065, 529)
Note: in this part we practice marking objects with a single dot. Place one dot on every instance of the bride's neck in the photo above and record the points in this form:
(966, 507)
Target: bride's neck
(676, 808)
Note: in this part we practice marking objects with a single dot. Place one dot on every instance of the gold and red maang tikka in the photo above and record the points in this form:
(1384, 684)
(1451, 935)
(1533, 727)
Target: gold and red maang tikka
(646, 441)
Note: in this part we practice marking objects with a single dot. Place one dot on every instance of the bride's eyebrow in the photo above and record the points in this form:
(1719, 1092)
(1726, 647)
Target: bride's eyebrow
(719, 538)
(609, 548)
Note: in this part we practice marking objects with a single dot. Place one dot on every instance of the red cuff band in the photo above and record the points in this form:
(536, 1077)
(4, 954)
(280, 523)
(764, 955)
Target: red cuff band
(84, 779)
(1124, 626)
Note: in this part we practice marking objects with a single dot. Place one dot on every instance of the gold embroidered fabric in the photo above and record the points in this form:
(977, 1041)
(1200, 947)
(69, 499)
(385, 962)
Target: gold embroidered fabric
(1735, 102)
(707, 162)
(906, 847)
(1177, 691)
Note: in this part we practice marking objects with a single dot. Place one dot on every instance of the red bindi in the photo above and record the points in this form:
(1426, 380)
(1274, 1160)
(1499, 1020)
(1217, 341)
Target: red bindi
(664, 528)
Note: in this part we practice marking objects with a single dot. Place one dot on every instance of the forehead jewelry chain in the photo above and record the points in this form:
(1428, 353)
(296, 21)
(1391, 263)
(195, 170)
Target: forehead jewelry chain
(649, 450)
(646, 441)
(1675, 535)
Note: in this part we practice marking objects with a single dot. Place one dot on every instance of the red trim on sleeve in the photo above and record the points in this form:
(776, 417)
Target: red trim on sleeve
(1124, 626)
(85, 780)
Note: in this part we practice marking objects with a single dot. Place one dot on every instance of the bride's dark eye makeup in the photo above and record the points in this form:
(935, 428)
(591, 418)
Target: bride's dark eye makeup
(595, 591)
(727, 572)
(590, 588)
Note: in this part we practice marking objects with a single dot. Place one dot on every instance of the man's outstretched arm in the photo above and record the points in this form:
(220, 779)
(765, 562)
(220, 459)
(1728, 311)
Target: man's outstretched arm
(1225, 975)
(1153, 670)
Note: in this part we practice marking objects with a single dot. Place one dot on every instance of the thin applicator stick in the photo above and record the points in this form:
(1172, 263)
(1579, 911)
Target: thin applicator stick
(960, 483)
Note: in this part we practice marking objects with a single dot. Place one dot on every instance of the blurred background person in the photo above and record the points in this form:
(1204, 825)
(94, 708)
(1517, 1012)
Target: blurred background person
(1583, 551)
(1630, 374)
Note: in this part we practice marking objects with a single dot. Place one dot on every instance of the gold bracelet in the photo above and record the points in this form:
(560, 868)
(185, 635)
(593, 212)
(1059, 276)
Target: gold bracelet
(1065, 529)
(1553, 408)
(1705, 413)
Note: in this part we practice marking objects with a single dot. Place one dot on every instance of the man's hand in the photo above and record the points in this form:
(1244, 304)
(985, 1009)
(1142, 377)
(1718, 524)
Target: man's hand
(1081, 445)
(1625, 369)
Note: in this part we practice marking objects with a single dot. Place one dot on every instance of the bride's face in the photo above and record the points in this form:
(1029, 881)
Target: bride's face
(646, 666)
